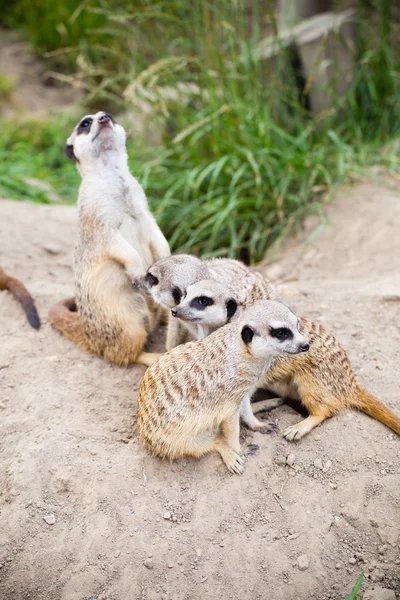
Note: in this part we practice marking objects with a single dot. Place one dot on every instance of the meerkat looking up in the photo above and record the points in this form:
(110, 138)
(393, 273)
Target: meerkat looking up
(321, 379)
(189, 400)
(166, 282)
(118, 239)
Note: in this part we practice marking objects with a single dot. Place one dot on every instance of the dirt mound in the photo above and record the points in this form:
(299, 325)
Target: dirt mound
(87, 513)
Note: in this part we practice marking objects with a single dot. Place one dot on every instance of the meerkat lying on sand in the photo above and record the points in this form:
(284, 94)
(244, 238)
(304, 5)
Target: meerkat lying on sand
(189, 400)
(118, 240)
(322, 379)
(20, 292)
(166, 282)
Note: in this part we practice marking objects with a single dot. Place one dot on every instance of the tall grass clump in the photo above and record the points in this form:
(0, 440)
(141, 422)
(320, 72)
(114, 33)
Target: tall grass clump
(241, 158)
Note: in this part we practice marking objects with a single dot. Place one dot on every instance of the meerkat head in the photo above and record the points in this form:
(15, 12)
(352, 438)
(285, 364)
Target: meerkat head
(269, 328)
(93, 136)
(167, 279)
(207, 302)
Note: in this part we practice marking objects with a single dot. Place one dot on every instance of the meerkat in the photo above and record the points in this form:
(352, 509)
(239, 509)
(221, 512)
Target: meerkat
(189, 401)
(20, 292)
(166, 282)
(321, 379)
(118, 239)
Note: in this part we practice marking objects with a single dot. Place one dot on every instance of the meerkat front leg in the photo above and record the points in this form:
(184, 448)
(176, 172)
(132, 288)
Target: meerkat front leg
(158, 244)
(121, 251)
(175, 333)
(228, 445)
(251, 421)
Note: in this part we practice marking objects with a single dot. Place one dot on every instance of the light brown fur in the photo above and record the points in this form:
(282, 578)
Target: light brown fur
(118, 239)
(19, 291)
(189, 401)
(324, 381)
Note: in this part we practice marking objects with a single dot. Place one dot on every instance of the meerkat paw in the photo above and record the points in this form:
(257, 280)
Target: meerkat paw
(294, 433)
(234, 461)
(266, 428)
(250, 449)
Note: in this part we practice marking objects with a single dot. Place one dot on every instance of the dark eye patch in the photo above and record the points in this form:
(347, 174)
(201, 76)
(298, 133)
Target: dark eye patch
(85, 125)
(151, 279)
(247, 334)
(281, 333)
(177, 295)
(201, 302)
(231, 307)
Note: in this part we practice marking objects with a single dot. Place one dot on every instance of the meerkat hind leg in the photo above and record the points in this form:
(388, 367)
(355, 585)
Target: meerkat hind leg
(147, 358)
(251, 421)
(296, 432)
(264, 405)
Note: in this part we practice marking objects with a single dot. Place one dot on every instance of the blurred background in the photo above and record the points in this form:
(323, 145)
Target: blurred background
(241, 115)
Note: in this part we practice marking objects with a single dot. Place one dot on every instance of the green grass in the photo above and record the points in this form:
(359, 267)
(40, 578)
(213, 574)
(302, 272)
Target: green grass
(7, 85)
(356, 588)
(241, 160)
(35, 149)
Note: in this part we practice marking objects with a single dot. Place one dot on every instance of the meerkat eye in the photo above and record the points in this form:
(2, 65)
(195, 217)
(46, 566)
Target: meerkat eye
(282, 333)
(177, 295)
(151, 279)
(84, 125)
(204, 301)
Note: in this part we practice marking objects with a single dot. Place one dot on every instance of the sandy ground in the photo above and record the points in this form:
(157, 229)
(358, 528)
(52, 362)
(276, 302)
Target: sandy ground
(86, 513)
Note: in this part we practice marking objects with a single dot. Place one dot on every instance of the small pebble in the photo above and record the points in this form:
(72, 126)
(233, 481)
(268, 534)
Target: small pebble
(318, 464)
(338, 566)
(148, 564)
(50, 519)
(303, 562)
(167, 516)
(290, 460)
(352, 560)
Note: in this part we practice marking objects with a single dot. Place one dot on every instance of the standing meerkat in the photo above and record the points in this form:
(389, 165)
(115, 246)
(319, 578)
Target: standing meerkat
(118, 239)
(189, 400)
(166, 282)
(19, 291)
(321, 379)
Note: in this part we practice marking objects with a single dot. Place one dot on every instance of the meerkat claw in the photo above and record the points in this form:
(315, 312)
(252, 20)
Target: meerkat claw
(235, 463)
(250, 449)
(268, 428)
(292, 434)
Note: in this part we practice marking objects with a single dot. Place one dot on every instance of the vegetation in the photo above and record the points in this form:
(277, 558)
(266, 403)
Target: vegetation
(356, 588)
(240, 159)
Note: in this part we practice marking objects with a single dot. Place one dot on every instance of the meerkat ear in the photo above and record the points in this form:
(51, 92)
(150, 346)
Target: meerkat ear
(69, 151)
(247, 334)
(231, 307)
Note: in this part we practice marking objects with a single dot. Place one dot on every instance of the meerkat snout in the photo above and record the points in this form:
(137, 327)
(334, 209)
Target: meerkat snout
(271, 328)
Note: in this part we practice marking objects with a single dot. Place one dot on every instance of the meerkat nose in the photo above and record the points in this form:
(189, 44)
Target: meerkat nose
(304, 347)
(174, 312)
(104, 118)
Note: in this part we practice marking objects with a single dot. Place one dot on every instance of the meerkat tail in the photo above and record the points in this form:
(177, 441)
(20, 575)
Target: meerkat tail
(63, 316)
(371, 406)
(20, 292)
